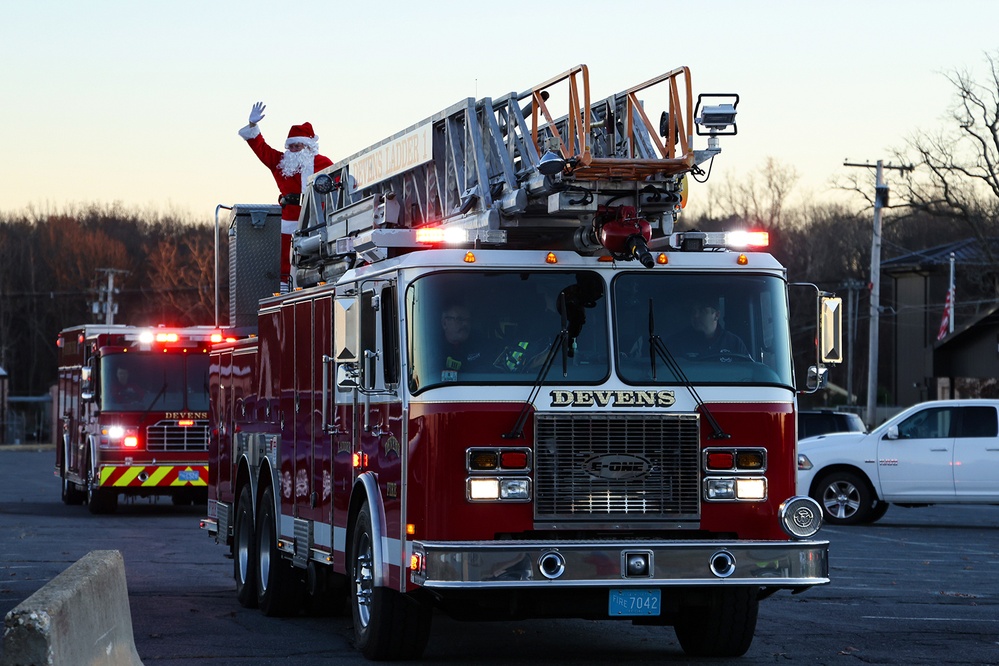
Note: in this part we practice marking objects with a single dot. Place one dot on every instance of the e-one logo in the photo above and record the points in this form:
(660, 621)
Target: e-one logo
(612, 399)
(617, 467)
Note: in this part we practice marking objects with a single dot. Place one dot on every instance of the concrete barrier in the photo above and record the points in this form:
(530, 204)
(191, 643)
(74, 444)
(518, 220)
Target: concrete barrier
(80, 618)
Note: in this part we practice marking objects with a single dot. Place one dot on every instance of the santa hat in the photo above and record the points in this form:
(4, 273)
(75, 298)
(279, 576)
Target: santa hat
(302, 134)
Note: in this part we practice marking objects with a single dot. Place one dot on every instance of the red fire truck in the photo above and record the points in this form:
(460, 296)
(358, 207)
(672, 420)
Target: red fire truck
(492, 390)
(134, 408)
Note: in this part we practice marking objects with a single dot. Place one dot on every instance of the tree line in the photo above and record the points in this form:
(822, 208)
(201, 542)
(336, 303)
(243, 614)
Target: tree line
(53, 275)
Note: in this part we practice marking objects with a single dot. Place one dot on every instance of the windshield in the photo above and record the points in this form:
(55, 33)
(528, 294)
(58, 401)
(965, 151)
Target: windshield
(160, 382)
(499, 327)
(728, 329)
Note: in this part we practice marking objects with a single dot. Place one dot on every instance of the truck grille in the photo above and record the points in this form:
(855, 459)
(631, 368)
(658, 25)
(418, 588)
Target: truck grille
(167, 435)
(616, 466)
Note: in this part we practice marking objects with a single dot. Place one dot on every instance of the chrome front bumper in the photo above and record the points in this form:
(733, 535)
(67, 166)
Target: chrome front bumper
(520, 564)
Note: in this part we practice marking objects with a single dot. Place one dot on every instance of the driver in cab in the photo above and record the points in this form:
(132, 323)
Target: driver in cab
(124, 391)
(705, 337)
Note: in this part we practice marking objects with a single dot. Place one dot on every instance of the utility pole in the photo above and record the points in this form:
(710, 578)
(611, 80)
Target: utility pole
(105, 299)
(852, 287)
(880, 201)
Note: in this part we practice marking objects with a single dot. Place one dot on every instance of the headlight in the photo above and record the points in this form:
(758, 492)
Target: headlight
(735, 489)
(119, 437)
(498, 489)
(803, 462)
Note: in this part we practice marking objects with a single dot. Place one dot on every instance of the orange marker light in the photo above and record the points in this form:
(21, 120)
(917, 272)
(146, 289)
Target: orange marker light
(410, 529)
(469, 258)
(742, 260)
(662, 259)
(551, 258)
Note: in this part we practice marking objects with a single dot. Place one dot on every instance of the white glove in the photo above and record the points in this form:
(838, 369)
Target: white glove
(257, 113)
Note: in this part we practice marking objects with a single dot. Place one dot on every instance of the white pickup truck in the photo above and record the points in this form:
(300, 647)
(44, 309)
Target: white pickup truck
(944, 451)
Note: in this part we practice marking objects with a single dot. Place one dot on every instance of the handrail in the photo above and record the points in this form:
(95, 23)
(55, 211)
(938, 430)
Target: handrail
(673, 153)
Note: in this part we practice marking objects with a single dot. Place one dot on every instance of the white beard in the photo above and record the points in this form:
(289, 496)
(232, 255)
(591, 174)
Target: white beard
(302, 161)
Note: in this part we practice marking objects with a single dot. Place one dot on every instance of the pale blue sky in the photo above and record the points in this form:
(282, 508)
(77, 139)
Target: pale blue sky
(139, 102)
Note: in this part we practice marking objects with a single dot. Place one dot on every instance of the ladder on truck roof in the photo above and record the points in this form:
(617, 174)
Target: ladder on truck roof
(507, 171)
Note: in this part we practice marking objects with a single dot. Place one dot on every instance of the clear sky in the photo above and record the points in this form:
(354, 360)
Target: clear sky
(139, 102)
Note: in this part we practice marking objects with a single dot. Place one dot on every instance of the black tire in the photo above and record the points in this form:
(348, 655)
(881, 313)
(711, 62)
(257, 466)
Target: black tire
(387, 625)
(100, 500)
(846, 499)
(244, 550)
(279, 592)
(878, 511)
(723, 627)
(72, 494)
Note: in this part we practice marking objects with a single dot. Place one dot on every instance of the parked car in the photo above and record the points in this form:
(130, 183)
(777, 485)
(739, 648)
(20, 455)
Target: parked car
(822, 421)
(944, 451)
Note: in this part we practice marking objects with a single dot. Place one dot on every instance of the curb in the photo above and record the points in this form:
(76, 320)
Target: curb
(81, 616)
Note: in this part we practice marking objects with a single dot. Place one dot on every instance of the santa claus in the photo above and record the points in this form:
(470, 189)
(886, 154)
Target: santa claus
(291, 169)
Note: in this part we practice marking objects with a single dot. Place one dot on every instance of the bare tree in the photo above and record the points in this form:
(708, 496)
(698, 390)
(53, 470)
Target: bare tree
(956, 174)
(759, 197)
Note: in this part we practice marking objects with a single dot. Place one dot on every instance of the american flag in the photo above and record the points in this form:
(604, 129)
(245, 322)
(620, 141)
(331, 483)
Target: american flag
(948, 314)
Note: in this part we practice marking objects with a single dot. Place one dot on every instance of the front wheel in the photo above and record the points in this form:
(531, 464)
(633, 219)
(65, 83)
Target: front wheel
(721, 626)
(100, 500)
(846, 499)
(388, 625)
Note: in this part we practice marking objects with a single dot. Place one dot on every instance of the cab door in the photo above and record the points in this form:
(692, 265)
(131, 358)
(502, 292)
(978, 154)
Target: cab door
(976, 454)
(916, 466)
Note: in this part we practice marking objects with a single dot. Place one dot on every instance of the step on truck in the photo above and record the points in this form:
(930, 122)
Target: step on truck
(485, 394)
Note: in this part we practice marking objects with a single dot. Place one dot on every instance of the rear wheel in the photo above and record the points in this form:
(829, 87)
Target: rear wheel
(388, 625)
(723, 627)
(278, 588)
(244, 550)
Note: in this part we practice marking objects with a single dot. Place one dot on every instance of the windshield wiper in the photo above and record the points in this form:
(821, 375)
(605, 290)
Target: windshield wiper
(155, 398)
(560, 344)
(658, 347)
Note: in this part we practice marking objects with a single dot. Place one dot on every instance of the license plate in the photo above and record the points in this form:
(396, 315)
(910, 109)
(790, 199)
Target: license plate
(634, 601)
(189, 475)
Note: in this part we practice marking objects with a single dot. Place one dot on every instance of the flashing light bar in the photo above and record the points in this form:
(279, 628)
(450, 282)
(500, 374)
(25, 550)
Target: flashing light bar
(747, 239)
(457, 236)
(694, 241)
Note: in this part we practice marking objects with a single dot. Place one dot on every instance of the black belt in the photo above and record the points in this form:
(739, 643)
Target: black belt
(290, 199)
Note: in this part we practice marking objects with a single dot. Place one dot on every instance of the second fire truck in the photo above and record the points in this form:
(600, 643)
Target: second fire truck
(133, 402)
(480, 396)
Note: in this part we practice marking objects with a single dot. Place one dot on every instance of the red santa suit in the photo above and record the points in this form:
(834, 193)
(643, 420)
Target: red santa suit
(291, 181)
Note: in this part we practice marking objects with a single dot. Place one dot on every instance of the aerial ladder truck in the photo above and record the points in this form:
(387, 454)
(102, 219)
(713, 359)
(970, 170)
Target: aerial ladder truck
(478, 396)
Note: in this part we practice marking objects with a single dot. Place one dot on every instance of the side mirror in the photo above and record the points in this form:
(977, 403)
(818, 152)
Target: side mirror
(830, 329)
(87, 383)
(347, 376)
(818, 377)
(892, 432)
